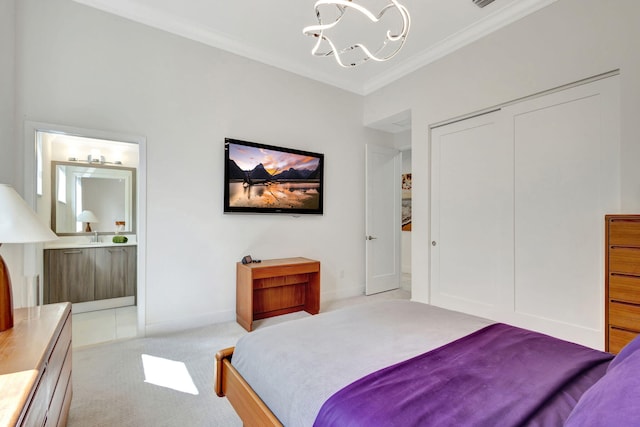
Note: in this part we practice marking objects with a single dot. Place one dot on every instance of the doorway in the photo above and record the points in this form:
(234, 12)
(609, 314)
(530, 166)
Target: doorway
(407, 218)
(398, 126)
(62, 154)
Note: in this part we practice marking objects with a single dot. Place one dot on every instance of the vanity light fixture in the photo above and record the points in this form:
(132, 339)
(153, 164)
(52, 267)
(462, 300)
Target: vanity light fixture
(94, 160)
(88, 217)
(392, 37)
(18, 224)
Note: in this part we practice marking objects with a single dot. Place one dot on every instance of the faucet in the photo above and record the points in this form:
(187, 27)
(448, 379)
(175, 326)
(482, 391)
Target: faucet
(94, 239)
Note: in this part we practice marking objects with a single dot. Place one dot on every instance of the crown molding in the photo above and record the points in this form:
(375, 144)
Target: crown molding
(468, 35)
(166, 22)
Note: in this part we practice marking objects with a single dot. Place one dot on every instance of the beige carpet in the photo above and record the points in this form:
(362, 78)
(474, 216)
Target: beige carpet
(110, 387)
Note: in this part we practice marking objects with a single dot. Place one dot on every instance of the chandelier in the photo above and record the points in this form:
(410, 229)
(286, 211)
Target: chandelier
(389, 46)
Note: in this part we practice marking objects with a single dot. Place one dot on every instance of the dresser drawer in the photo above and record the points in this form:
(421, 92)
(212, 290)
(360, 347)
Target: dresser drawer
(56, 408)
(624, 260)
(624, 232)
(625, 316)
(624, 288)
(618, 338)
(58, 355)
(37, 411)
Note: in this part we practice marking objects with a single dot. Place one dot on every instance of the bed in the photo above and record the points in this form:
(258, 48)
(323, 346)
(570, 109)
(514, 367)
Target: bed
(405, 363)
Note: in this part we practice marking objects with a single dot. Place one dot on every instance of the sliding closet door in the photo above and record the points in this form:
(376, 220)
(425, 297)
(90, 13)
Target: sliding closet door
(566, 148)
(472, 215)
(517, 206)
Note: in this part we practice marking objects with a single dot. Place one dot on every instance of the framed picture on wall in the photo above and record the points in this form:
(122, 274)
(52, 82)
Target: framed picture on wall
(406, 202)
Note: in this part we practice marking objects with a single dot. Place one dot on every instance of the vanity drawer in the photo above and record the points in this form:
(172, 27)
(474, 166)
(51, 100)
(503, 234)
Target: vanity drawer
(624, 260)
(626, 316)
(624, 288)
(618, 338)
(624, 232)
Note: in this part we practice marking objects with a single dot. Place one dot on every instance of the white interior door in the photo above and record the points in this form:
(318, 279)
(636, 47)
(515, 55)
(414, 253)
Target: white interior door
(472, 215)
(566, 154)
(383, 218)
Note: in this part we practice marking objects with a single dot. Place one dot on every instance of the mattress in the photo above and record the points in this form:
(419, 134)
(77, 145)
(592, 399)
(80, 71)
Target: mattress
(296, 366)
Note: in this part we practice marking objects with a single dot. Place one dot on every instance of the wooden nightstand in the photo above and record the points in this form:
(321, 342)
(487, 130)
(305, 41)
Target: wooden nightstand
(274, 287)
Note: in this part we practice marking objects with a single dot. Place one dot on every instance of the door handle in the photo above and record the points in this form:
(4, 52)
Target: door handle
(371, 238)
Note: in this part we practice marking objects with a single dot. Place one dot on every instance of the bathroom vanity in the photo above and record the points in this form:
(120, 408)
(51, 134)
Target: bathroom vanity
(84, 266)
(90, 272)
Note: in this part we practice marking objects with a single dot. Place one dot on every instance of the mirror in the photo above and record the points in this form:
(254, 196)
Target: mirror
(107, 191)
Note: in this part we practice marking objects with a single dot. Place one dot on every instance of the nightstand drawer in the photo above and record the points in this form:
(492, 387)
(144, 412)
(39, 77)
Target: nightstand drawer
(624, 288)
(624, 232)
(625, 316)
(618, 338)
(624, 260)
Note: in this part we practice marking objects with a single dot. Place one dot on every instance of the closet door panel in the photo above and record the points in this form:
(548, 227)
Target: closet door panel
(564, 153)
(517, 202)
(472, 215)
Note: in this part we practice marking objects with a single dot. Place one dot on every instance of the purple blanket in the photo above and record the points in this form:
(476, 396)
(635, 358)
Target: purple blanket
(499, 375)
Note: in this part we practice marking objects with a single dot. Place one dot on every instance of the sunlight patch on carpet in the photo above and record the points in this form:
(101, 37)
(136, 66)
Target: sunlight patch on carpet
(168, 373)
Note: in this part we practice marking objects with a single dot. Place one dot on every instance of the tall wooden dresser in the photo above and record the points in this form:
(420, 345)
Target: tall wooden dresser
(622, 277)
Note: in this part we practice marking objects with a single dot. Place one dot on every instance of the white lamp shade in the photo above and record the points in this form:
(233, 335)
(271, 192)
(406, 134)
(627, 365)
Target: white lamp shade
(87, 216)
(18, 222)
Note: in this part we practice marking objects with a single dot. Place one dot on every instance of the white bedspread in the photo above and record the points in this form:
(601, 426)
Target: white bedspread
(296, 366)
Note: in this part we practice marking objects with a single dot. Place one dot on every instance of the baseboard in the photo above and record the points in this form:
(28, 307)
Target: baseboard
(206, 319)
(102, 304)
(345, 292)
(177, 325)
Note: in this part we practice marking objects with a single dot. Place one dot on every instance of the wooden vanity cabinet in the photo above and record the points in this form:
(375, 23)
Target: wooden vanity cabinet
(69, 275)
(115, 272)
(89, 274)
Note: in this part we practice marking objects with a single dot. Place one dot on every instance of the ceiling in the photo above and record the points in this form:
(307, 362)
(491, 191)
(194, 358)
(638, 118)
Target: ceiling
(271, 32)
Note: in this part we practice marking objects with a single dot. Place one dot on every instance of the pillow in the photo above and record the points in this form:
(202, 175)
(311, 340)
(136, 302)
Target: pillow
(626, 351)
(613, 400)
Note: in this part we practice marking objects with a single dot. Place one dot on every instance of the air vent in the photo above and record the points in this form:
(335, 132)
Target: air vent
(482, 3)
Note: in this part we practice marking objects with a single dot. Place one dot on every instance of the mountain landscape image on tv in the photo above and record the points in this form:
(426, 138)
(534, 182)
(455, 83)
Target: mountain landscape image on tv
(270, 179)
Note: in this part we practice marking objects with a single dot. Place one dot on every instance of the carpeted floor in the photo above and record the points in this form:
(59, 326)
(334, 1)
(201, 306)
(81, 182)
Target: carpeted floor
(109, 387)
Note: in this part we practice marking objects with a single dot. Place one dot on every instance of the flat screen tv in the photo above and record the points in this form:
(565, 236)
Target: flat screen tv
(260, 178)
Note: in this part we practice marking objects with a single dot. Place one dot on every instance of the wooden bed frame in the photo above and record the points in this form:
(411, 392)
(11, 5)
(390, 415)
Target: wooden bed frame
(247, 404)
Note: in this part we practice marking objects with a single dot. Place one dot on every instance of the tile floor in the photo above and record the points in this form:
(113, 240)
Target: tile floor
(94, 327)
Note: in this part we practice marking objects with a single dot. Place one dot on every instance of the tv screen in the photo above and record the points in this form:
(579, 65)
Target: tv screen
(264, 178)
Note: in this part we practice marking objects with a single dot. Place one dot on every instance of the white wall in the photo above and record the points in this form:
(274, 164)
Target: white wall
(7, 83)
(85, 68)
(9, 150)
(562, 43)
